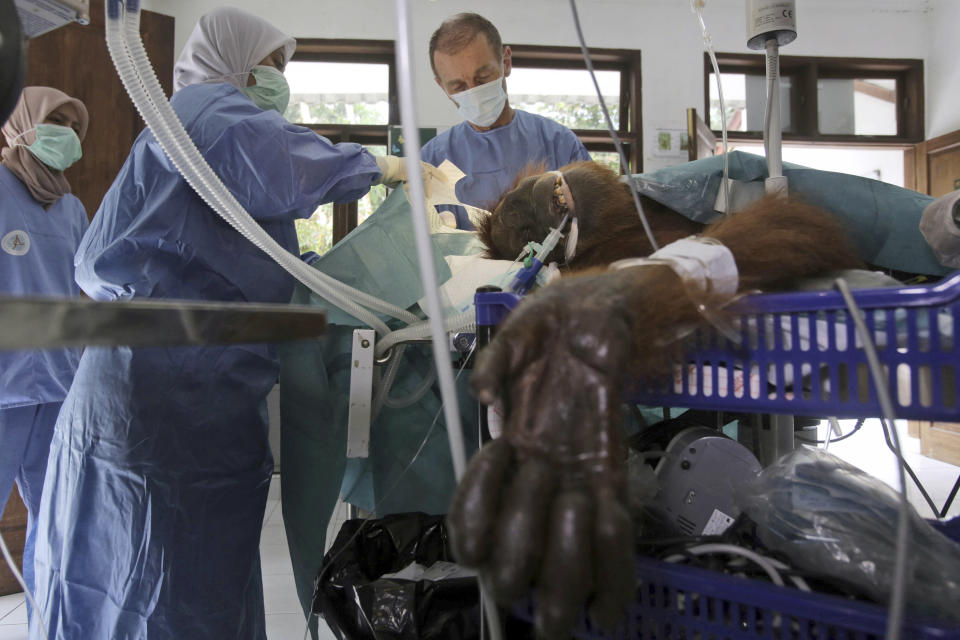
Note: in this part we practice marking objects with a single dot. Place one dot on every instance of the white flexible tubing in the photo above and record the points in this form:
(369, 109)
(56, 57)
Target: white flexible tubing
(240, 220)
(459, 322)
(172, 127)
(151, 109)
(414, 396)
(773, 138)
(139, 79)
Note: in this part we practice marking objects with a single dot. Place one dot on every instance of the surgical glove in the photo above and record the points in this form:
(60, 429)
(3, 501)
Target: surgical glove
(393, 171)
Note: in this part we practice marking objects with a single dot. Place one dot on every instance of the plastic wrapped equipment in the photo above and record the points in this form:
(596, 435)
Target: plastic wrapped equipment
(834, 520)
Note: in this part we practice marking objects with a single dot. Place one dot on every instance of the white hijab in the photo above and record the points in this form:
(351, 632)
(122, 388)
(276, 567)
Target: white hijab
(225, 45)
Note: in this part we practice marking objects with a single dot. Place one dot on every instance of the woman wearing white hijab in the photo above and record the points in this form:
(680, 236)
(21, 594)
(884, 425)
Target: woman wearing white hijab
(41, 224)
(159, 465)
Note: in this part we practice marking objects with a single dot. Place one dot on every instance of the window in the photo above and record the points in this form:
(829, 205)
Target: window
(553, 82)
(851, 115)
(823, 100)
(345, 90)
(878, 163)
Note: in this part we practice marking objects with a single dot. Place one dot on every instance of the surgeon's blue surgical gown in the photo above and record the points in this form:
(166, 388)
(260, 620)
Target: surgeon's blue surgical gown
(160, 464)
(492, 159)
(36, 258)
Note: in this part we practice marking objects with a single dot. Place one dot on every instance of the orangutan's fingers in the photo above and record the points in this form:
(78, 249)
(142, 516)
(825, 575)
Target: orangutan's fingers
(566, 574)
(613, 544)
(522, 529)
(476, 503)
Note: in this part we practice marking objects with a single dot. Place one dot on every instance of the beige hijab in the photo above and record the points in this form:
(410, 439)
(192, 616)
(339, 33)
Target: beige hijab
(46, 185)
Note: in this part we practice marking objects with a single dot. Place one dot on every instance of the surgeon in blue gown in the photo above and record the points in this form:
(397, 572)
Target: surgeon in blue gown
(41, 224)
(160, 463)
(495, 141)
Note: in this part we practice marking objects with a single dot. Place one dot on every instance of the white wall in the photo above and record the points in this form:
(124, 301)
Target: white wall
(943, 72)
(665, 31)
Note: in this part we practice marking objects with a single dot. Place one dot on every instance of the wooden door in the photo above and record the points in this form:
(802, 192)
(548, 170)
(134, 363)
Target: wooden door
(933, 167)
(75, 60)
(702, 141)
(13, 527)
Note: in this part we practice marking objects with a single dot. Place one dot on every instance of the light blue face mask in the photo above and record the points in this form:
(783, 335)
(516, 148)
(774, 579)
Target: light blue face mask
(482, 105)
(271, 90)
(56, 146)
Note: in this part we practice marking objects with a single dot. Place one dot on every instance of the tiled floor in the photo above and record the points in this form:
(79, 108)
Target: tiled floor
(866, 450)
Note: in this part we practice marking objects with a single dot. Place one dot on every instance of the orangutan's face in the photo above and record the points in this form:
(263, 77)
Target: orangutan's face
(525, 214)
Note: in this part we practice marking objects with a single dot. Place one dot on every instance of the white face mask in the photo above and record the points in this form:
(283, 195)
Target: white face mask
(482, 105)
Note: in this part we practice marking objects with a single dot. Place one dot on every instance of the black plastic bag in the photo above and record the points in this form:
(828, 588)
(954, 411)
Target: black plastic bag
(359, 604)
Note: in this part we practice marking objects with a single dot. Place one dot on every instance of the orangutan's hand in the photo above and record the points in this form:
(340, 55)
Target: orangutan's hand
(545, 504)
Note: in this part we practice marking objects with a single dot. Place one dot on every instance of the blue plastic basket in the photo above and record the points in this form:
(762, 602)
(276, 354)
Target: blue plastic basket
(809, 336)
(676, 602)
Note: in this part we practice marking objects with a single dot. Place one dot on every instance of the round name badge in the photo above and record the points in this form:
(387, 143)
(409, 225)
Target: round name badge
(16, 243)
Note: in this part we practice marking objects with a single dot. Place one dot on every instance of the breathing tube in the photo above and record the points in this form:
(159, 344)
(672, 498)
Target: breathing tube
(140, 81)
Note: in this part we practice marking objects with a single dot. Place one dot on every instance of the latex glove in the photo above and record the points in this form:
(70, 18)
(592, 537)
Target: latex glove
(393, 171)
(545, 504)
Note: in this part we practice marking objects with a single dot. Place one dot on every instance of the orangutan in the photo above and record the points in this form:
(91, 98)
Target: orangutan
(545, 505)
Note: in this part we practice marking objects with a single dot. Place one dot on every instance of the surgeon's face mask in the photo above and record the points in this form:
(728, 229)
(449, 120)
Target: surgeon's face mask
(56, 146)
(271, 90)
(482, 105)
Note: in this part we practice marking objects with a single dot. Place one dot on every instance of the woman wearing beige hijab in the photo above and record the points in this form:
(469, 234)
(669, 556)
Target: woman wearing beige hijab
(41, 224)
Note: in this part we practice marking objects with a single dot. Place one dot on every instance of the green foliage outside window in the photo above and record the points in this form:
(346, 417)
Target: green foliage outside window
(609, 159)
(575, 115)
(309, 109)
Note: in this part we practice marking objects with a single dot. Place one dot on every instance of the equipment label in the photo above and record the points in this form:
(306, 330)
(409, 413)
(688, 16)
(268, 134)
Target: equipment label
(717, 524)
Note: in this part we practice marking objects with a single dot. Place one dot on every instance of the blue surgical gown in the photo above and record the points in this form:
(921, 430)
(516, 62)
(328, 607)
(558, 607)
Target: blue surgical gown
(36, 258)
(492, 159)
(159, 465)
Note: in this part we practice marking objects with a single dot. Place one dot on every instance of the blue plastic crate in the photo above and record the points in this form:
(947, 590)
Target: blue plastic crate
(809, 337)
(676, 602)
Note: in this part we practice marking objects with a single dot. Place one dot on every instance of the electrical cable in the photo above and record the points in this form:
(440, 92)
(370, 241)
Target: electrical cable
(798, 581)
(389, 492)
(16, 574)
(949, 502)
(910, 472)
(898, 593)
(732, 549)
(856, 428)
(613, 132)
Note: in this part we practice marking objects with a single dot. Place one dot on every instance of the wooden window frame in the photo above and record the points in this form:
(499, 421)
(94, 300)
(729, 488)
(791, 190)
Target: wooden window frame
(352, 51)
(627, 62)
(807, 70)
